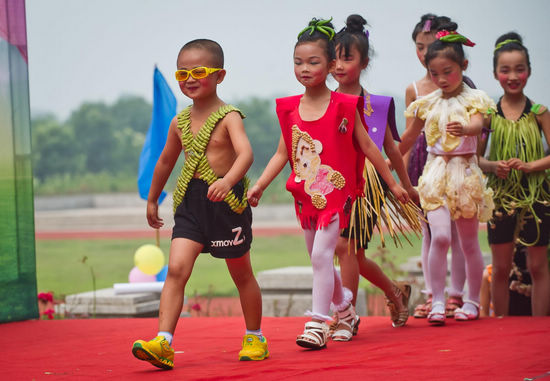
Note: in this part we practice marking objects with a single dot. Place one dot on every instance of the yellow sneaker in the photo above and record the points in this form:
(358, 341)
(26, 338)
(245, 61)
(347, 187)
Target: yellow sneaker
(157, 351)
(254, 349)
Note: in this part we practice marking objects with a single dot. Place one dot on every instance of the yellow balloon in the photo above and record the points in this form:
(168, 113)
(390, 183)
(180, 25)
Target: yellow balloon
(149, 259)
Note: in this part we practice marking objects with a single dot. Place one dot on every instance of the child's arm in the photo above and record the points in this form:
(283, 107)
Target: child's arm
(373, 154)
(241, 145)
(411, 133)
(410, 96)
(540, 164)
(397, 162)
(273, 168)
(165, 164)
(472, 129)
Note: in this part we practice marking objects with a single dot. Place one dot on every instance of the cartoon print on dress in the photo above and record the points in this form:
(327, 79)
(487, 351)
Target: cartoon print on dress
(320, 179)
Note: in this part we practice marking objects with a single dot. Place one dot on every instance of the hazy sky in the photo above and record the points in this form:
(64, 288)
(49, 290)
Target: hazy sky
(99, 50)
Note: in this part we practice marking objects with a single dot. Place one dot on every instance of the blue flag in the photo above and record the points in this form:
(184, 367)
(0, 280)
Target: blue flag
(164, 109)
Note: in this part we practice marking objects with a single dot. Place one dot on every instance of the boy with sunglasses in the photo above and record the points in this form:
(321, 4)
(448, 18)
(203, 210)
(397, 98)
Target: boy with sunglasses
(211, 211)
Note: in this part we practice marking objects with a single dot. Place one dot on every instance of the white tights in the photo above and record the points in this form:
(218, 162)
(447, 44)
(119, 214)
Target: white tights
(467, 233)
(327, 284)
(458, 270)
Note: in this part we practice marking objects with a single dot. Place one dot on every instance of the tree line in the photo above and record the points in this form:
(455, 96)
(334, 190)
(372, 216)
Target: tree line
(101, 139)
(97, 148)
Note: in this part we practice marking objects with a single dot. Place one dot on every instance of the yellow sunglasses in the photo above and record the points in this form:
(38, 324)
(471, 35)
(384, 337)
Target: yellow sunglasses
(197, 73)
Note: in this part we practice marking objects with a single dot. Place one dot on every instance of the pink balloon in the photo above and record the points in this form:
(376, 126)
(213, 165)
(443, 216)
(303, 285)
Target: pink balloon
(137, 276)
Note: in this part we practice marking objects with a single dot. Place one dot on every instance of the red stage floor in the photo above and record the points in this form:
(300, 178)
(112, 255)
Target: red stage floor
(512, 348)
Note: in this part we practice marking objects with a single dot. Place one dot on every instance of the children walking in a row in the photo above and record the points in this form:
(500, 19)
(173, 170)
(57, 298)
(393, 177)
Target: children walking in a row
(328, 137)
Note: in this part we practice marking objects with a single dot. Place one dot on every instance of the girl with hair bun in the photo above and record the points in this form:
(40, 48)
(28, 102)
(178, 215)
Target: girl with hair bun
(452, 186)
(320, 131)
(352, 58)
(517, 169)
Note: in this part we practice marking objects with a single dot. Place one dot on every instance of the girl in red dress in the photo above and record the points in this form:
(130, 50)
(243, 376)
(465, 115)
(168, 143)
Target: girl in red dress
(320, 131)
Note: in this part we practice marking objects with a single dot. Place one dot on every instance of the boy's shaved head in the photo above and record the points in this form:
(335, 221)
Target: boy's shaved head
(211, 46)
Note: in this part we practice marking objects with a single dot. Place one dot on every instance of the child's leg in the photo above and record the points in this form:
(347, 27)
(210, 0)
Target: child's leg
(467, 229)
(254, 343)
(458, 265)
(425, 251)
(321, 245)
(440, 226)
(183, 253)
(502, 257)
(374, 274)
(537, 264)
(349, 268)
(485, 294)
(397, 297)
(249, 291)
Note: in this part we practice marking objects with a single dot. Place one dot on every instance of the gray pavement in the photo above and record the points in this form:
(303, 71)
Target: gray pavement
(126, 212)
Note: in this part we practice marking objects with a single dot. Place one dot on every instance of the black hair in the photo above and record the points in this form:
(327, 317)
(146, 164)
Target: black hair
(450, 50)
(510, 46)
(211, 46)
(434, 23)
(353, 34)
(314, 35)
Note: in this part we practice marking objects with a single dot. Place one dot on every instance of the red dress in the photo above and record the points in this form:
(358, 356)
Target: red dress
(323, 157)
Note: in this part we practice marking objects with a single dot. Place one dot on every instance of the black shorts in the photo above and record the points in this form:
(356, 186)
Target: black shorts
(365, 231)
(501, 229)
(224, 233)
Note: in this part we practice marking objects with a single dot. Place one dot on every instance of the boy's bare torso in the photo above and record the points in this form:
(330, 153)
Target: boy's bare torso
(219, 151)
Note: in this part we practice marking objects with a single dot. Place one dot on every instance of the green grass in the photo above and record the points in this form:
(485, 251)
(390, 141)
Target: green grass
(60, 266)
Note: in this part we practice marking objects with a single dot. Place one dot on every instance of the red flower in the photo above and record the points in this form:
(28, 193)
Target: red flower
(49, 313)
(45, 296)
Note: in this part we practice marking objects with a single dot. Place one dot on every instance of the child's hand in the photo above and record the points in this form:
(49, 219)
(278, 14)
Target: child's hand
(520, 165)
(400, 193)
(153, 215)
(254, 194)
(218, 190)
(456, 129)
(502, 169)
(413, 195)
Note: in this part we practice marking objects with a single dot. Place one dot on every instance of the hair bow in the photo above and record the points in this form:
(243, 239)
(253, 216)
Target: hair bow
(453, 36)
(506, 42)
(319, 25)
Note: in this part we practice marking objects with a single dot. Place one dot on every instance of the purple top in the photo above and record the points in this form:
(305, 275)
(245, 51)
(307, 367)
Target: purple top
(383, 114)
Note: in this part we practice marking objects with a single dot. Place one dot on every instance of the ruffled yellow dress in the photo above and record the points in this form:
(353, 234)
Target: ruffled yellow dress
(451, 176)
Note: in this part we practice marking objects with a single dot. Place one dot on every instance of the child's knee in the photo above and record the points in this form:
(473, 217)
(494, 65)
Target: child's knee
(501, 271)
(244, 278)
(441, 240)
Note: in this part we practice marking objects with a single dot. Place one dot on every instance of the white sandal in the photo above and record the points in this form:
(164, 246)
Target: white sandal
(437, 317)
(347, 321)
(461, 315)
(315, 335)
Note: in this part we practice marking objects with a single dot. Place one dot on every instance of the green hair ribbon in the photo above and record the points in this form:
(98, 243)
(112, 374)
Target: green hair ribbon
(453, 36)
(506, 42)
(319, 25)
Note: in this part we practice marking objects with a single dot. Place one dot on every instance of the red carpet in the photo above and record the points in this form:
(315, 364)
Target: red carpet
(489, 349)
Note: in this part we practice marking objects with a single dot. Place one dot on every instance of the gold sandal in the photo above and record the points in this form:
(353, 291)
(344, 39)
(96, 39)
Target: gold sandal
(399, 317)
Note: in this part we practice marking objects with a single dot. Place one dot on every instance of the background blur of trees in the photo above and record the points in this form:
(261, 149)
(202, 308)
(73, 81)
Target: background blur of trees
(97, 149)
